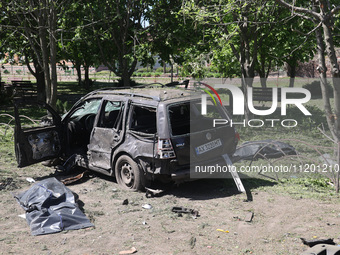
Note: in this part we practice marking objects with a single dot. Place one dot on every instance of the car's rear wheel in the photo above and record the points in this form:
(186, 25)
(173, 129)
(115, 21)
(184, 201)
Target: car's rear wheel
(128, 174)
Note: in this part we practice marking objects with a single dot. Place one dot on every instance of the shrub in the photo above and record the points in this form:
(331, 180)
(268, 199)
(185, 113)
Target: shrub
(161, 69)
(315, 89)
(62, 107)
(142, 70)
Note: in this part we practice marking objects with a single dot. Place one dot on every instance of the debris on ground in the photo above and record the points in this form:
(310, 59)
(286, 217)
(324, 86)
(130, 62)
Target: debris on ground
(221, 230)
(125, 202)
(73, 179)
(323, 249)
(263, 149)
(30, 180)
(51, 207)
(312, 243)
(153, 192)
(249, 217)
(131, 251)
(179, 210)
(147, 206)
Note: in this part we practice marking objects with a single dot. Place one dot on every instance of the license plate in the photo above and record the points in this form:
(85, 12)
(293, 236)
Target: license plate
(208, 146)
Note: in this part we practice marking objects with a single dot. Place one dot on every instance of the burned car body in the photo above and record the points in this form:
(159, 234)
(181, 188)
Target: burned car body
(135, 134)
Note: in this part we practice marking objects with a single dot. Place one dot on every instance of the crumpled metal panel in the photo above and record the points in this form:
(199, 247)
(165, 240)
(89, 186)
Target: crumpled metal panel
(323, 249)
(50, 207)
(139, 145)
(101, 144)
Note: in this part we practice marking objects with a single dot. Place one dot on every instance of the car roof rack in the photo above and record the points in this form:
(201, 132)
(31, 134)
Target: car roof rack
(115, 91)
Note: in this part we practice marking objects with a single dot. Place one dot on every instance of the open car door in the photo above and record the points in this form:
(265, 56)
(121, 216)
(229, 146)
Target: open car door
(38, 133)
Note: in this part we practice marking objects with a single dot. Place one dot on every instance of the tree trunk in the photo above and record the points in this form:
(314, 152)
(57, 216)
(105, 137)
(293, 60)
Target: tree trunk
(87, 79)
(322, 68)
(78, 70)
(328, 39)
(53, 55)
(39, 75)
(263, 73)
(125, 75)
(41, 92)
(45, 57)
(291, 71)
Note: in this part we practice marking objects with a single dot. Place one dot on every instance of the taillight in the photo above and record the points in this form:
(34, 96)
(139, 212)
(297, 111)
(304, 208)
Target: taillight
(237, 135)
(165, 149)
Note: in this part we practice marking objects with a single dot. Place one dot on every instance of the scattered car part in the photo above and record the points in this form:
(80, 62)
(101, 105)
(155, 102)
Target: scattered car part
(323, 249)
(152, 192)
(234, 174)
(312, 243)
(263, 149)
(73, 179)
(249, 217)
(180, 210)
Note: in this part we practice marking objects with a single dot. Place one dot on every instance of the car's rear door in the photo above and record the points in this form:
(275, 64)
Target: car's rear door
(38, 132)
(194, 137)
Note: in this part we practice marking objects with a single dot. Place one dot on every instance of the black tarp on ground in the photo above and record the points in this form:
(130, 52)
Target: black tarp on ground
(50, 208)
(263, 149)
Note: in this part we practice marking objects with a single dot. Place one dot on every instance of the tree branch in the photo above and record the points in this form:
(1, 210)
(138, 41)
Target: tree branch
(299, 9)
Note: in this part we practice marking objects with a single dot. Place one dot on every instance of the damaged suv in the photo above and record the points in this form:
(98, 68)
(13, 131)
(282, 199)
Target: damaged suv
(135, 135)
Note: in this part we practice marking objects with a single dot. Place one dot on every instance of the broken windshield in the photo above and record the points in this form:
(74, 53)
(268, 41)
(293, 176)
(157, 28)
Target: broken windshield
(87, 107)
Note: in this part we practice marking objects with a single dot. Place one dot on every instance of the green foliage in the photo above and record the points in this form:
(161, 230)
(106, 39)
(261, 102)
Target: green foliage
(6, 71)
(143, 70)
(309, 182)
(62, 107)
(161, 69)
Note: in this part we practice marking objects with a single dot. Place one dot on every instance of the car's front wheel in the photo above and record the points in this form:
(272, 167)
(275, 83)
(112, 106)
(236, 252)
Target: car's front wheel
(128, 174)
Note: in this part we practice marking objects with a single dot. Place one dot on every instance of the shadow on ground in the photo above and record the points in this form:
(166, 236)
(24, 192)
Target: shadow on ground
(203, 189)
(206, 189)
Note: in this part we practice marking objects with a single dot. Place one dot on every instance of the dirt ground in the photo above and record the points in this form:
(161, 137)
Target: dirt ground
(279, 220)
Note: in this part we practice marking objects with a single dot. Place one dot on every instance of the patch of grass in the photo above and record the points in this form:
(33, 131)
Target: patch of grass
(299, 188)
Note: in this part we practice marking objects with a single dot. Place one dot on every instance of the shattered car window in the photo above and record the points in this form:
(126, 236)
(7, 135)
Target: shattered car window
(88, 107)
(188, 115)
(41, 117)
(143, 119)
(112, 115)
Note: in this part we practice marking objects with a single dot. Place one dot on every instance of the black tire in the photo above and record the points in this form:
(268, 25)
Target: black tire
(128, 174)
